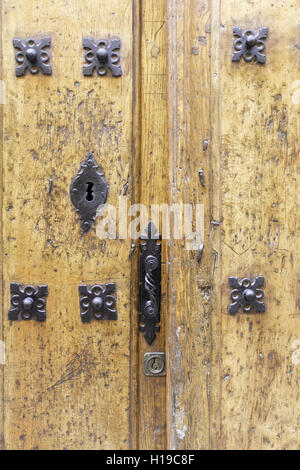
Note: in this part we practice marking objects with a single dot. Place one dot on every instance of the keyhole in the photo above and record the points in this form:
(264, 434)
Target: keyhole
(89, 191)
(155, 365)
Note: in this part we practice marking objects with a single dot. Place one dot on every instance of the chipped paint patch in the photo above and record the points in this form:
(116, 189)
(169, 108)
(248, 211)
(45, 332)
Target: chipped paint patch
(181, 432)
(2, 92)
(296, 94)
(2, 352)
(296, 354)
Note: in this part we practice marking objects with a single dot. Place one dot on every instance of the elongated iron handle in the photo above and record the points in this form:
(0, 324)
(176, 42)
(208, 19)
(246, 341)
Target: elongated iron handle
(150, 284)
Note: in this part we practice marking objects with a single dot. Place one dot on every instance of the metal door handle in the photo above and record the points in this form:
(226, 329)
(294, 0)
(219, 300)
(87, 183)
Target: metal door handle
(150, 283)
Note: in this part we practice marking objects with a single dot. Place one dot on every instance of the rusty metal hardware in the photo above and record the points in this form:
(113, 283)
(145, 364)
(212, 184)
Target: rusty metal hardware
(249, 45)
(150, 283)
(27, 301)
(246, 294)
(32, 56)
(200, 253)
(201, 177)
(97, 301)
(155, 364)
(102, 55)
(132, 250)
(88, 191)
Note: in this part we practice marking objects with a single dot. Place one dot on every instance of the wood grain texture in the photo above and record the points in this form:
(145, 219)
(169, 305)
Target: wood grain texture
(2, 100)
(252, 399)
(189, 282)
(134, 255)
(259, 157)
(66, 384)
(181, 105)
(154, 161)
(215, 428)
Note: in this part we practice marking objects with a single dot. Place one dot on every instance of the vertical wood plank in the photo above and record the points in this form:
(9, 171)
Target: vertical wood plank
(135, 197)
(216, 228)
(190, 281)
(66, 383)
(154, 161)
(260, 228)
(2, 100)
(252, 383)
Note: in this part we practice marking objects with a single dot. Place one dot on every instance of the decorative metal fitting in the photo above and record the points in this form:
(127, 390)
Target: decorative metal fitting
(249, 45)
(201, 177)
(27, 302)
(200, 253)
(155, 364)
(247, 294)
(102, 56)
(88, 191)
(97, 301)
(32, 55)
(150, 280)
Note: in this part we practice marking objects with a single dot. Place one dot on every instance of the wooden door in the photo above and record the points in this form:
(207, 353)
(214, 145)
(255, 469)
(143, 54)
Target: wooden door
(234, 379)
(66, 384)
(180, 106)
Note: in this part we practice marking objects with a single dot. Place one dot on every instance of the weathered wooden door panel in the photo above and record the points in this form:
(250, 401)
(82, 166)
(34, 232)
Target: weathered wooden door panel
(153, 190)
(234, 380)
(259, 144)
(180, 106)
(190, 284)
(66, 384)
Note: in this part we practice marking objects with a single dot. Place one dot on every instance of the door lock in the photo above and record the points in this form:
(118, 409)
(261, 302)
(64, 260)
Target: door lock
(88, 191)
(155, 364)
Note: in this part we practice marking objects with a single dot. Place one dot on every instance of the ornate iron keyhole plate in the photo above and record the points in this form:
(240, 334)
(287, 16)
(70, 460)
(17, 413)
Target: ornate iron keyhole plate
(102, 55)
(150, 283)
(88, 191)
(32, 56)
(247, 295)
(249, 45)
(97, 301)
(28, 302)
